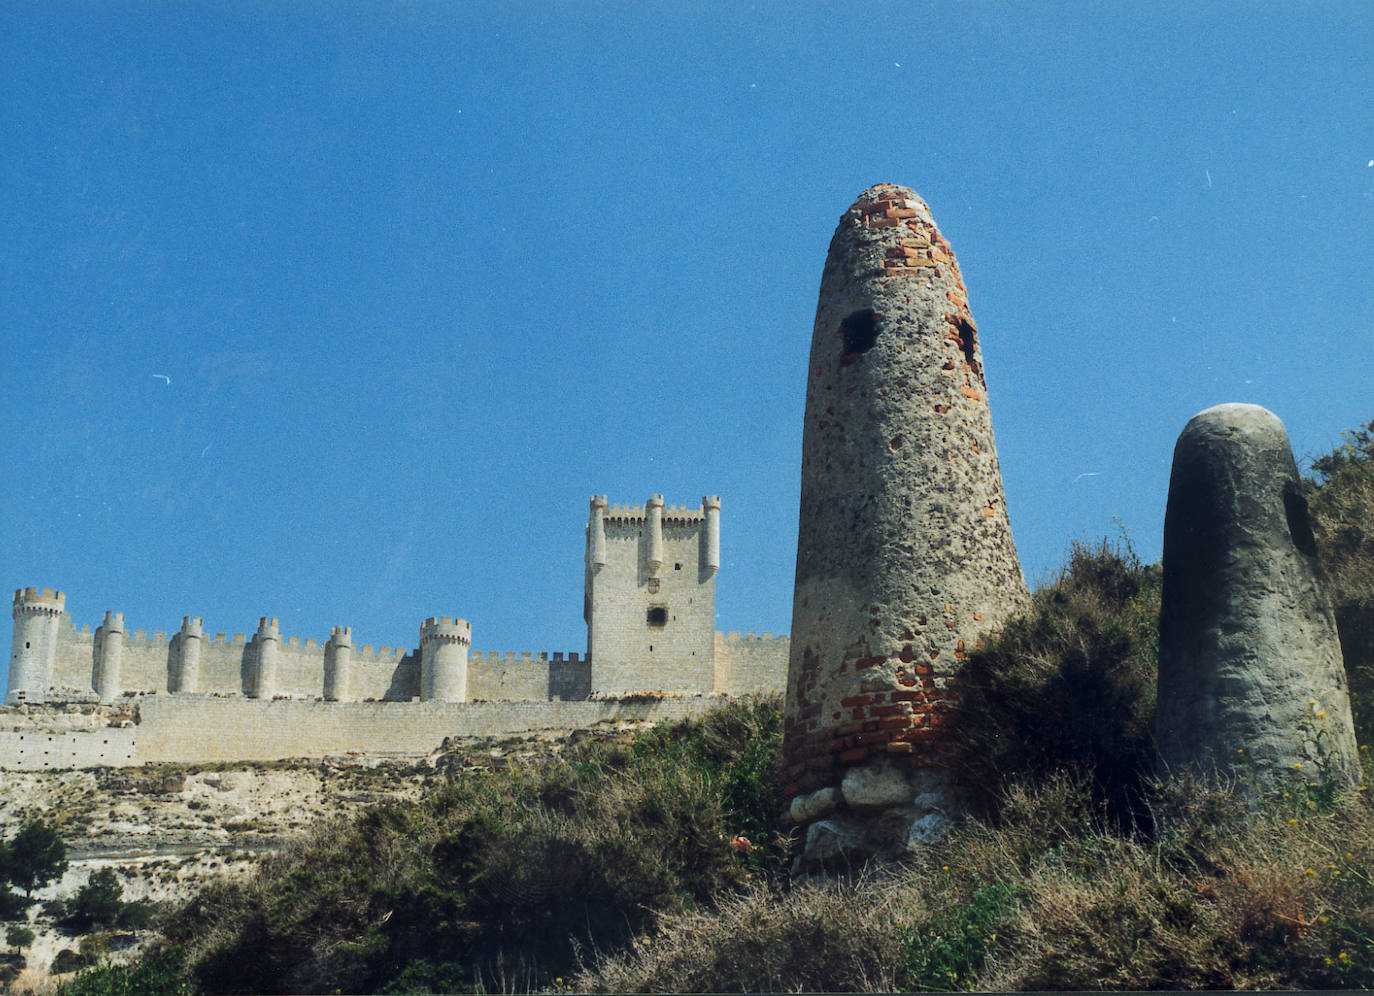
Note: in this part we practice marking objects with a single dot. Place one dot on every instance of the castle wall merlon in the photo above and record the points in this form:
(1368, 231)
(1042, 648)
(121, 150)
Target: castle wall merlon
(40, 598)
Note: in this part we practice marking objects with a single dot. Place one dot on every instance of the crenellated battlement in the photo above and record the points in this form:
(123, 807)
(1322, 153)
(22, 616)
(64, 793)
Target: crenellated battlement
(753, 637)
(650, 592)
(527, 657)
(36, 601)
(445, 629)
(637, 514)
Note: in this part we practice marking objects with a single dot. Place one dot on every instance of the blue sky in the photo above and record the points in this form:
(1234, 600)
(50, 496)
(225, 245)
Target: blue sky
(340, 311)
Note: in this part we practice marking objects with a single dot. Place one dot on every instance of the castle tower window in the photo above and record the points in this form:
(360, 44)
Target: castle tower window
(658, 615)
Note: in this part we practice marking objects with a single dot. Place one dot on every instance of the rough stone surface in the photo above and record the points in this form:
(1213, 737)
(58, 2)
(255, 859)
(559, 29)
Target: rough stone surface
(814, 805)
(1251, 680)
(930, 827)
(905, 556)
(869, 786)
(835, 841)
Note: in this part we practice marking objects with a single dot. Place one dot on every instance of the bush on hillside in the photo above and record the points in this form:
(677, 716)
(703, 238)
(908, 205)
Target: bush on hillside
(1221, 898)
(1069, 685)
(1341, 498)
(498, 879)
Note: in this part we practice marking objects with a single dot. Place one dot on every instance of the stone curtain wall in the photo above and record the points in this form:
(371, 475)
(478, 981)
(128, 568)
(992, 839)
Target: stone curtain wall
(42, 751)
(527, 677)
(750, 664)
(198, 729)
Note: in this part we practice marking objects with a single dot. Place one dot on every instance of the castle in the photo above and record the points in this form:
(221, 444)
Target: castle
(649, 605)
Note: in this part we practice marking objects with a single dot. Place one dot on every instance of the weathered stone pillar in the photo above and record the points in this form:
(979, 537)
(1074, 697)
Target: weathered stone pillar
(904, 552)
(1251, 680)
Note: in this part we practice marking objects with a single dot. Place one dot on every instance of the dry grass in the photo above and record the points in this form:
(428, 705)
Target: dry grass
(1220, 898)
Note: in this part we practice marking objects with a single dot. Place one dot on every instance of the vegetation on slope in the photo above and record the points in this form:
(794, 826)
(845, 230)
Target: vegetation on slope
(655, 865)
(501, 878)
(1341, 497)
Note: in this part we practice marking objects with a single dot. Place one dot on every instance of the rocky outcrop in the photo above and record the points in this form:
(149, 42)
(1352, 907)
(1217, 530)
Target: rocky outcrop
(1252, 687)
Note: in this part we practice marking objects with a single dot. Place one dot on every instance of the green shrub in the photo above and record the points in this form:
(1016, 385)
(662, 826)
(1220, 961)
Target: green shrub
(1341, 498)
(949, 951)
(1067, 686)
(67, 960)
(35, 857)
(499, 878)
(18, 937)
(156, 975)
(99, 901)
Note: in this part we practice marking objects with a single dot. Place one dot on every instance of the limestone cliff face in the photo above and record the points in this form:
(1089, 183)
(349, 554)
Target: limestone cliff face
(905, 555)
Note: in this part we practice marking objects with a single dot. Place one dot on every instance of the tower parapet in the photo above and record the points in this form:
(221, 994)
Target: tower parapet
(444, 644)
(33, 649)
(109, 656)
(338, 664)
(267, 649)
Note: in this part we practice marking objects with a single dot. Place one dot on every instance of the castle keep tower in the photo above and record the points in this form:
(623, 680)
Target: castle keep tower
(444, 647)
(33, 648)
(904, 553)
(651, 596)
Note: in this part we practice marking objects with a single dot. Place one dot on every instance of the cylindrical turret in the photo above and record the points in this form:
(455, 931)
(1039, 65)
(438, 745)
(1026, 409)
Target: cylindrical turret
(268, 642)
(444, 647)
(186, 674)
(338, 664)
(33, 650)
(109, 657)
(710, 535)
(596, 533)
(653, 513)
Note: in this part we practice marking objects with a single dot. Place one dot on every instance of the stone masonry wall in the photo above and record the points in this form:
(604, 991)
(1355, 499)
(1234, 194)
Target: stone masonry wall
(203, 728)
(750, 664)
(527, 677)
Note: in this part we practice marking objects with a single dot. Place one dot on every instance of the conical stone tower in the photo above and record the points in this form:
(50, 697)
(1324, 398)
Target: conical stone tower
(1252, 684)
(904, 554)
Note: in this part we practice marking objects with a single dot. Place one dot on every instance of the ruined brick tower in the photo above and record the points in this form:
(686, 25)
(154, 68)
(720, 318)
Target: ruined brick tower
(904, 554)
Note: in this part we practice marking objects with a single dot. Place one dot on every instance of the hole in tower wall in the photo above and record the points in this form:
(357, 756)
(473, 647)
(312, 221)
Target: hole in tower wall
(968, 343)
(859, 332)
(658, 615)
